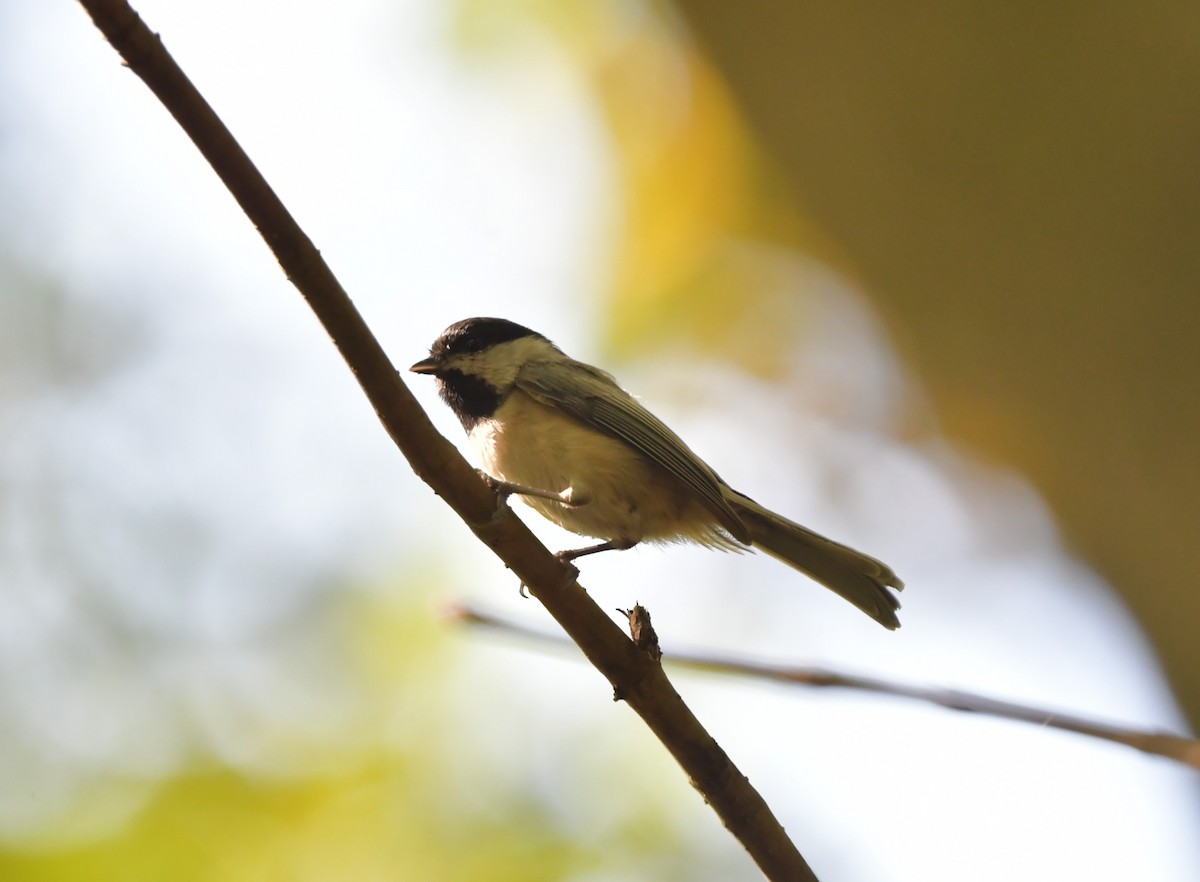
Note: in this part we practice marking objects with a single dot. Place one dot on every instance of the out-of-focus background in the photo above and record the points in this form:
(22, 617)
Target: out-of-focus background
(924, 280)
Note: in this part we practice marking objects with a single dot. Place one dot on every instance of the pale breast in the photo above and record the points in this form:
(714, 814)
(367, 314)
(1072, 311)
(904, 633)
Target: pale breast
(632, 499)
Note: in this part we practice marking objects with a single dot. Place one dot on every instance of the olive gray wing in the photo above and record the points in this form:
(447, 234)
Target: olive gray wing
(594, 398)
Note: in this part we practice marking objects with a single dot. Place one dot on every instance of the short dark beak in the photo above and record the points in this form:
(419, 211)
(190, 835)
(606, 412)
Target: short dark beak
(425, 366)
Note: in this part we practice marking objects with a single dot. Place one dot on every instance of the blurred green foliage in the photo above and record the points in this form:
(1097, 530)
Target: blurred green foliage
(365, 803)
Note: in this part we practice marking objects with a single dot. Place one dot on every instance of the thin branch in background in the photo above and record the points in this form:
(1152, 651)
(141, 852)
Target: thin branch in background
(1162, 744)
(634, 675)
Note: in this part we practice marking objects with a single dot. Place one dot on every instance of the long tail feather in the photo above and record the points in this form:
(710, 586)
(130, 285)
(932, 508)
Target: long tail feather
(861, 579)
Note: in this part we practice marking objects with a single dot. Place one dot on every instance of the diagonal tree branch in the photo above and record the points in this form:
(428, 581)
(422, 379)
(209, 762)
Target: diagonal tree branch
(635, 676)
(1162, 744)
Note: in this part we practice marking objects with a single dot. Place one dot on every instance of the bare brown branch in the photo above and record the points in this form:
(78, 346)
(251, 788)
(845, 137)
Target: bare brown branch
(633, 674)
(1162, 744)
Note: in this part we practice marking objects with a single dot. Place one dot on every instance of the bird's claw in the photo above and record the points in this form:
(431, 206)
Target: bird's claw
(571, 497)
(571, 576)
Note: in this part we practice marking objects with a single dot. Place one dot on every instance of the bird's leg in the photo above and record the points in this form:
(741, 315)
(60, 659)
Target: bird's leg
(572, 497)
(612, 545)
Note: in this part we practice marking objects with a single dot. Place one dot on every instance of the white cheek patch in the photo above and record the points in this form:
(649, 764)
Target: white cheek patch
(500, 364)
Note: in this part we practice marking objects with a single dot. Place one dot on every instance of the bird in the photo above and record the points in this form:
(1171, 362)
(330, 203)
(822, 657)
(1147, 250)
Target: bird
(587, 455)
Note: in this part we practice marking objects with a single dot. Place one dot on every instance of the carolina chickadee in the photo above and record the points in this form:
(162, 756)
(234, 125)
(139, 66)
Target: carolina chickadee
(585, 454)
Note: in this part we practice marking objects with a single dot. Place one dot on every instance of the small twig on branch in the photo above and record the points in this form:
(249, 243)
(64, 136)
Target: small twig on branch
(642, 632)
(1162, 744)
(634, 676)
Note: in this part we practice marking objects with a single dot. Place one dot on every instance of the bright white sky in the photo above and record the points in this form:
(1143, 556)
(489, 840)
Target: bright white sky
(439, 188)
